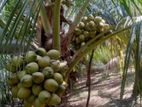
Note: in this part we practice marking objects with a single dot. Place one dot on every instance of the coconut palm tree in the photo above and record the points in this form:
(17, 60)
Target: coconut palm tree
(26, 24)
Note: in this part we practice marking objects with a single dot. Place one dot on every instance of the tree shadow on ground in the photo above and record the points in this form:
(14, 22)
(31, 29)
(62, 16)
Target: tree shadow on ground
(121, 103)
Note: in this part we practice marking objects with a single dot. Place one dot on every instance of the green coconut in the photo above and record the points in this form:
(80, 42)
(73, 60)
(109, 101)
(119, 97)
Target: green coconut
(51, 85)
(86, 34)
(17, 61)
(26, 81)
(98, 19)
(55, 64)
(44, 62)
(58, 77)
(44, 96)
(85, 19)
(38, 57)
(36, 89)
(53, 54)
(48, 72)
(31, 67)
(37, 103)
(11, 68)
(30, 57)
(38, 77)
(81, 25)
(12, 79)
(54, 100)
(90, 17)
(41, 51)
(61, 89)
(77, 31)
(20, 74)
(81, 37)
(24, 93)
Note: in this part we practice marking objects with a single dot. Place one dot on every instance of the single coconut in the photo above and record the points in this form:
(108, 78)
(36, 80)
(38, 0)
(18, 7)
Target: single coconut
(54, 100)
(58, 77)
(51, 85)
(24, 93)
(26, 81)
(44, 96)
(48, 72)
(12, 80)
(53, 54)
(30, 56)
(61, 89)
(38, 77)
(20, 74)
(41, 51)
(31, 67)
(44, 62)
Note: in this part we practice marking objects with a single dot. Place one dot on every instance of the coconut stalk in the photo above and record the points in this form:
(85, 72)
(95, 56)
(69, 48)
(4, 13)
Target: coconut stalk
(89, 78)
(56, 25)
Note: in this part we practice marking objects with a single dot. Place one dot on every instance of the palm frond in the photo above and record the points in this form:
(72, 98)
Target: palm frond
(2, 24)
(20, 25)
(2, 4)
(127, 58)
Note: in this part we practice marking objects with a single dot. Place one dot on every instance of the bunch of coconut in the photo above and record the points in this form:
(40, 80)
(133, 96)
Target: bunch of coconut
(88, 28)
(37, 77)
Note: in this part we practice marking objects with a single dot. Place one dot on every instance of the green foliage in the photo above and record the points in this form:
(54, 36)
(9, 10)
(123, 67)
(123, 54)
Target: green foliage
(4, 89)
(8, 7)
(102, 54)
(20, 26)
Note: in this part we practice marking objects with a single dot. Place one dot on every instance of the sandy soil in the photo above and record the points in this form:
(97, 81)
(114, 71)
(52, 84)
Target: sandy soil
(105, 90)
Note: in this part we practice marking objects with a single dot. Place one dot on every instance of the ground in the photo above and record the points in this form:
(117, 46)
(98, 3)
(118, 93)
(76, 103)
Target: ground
(105, 90)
